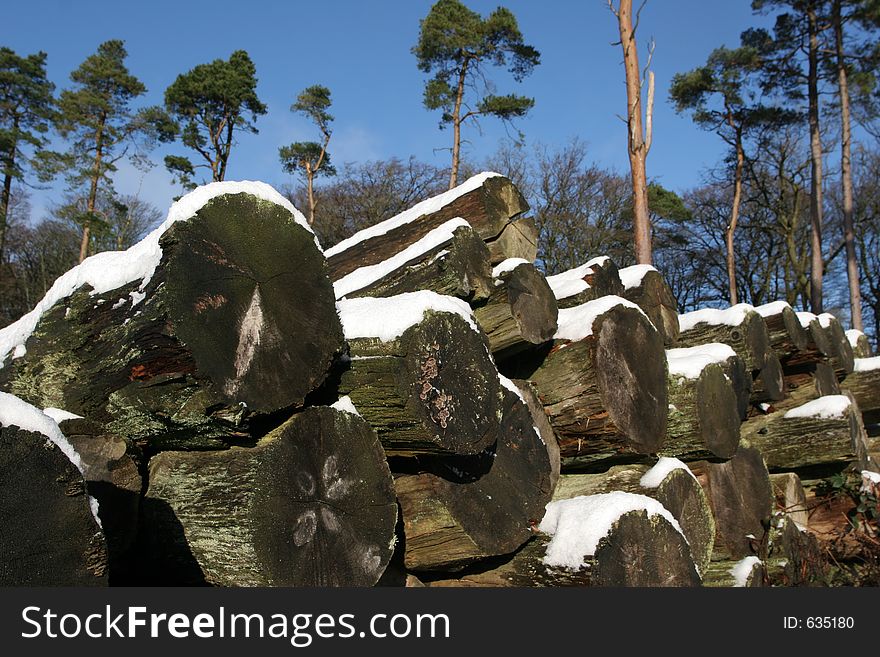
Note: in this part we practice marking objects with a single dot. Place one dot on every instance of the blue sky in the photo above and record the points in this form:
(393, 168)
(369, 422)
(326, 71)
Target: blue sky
(361, 51)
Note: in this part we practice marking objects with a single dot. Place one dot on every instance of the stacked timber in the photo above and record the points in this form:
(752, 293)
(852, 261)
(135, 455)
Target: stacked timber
(646, 287)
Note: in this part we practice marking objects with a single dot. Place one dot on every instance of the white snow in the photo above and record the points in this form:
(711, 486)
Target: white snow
(742, 569)
(59, 415)
(853, 336)
(508, 265)
(632, 276)
(387, 318)
(572, 282)
(345, 404)
(578, 524)
(733, 316)
(828, 407)
(690, 361)
(825, 319)
(866, 364)
(873, 477)
(365, 276)
(772, 308)
(15, 411)
(510, 385)
(655, 476)
(805, 318)
(577, 323)
(425, 207)
(112, 269)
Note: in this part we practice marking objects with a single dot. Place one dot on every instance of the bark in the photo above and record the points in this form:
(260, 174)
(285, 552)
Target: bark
(734, 216)
(433, 390)
(542, 424)
(49, 537)
(232, 326)
(462, 509)
(819, 378)
(311, 505)
(816, 260)
(749, 339)
(795, 558)
(518, 239)
(95, 176)
(520, 311)
(489, 209)
(655, 298)
(719, 573)
(865, 388)
(605, 395)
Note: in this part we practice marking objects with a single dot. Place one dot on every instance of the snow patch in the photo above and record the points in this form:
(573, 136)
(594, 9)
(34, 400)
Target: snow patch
(387, 318)
(346, 405)
(508, 265)
(853, 336)
(733, 316)
(15, 411)
(60, 415)
(866, 364)
(689, 362)
(655, 476)
(427, 206)
(805, 318)
(632, 277)
(510, 385)
(772, 308)
(742, 569)
(572, 282)
(578, 524)
(825, 320)
(828, 407)
(577, 323)
(366, 276)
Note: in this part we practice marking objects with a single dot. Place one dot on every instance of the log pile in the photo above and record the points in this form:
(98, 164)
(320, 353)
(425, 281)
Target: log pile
(417, 404)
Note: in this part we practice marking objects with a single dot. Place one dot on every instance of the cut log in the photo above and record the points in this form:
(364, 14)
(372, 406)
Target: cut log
(791, 500)
(518, 239)
(451, 259)
(419, 371)
(738, 326)
(521, 310)
(50, 536)
(462, 509)
(704, 410)
(596, 278)
(823, 432)
(177, 341)
(542, 424)
(678, 491)
(741, 498)
(787, 335)
(646, 287)
(819, 346)
(795, 558)
(769, 381)
(488, 202)
(311, 505)
(860, 345)
(864, 384)
(749, 572)
(602, 382)
(842, 358)
(818, 376)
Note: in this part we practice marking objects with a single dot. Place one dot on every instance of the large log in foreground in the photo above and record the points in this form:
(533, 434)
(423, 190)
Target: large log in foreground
(419, 371)
(488, 202)
(646, 287)
(50, 534)
(175, 342)
(602, 382)
(462, 509)
(311, 505)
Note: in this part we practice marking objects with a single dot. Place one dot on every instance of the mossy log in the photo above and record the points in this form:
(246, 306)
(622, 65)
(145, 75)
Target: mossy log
(605, 394)
(518, 239)
(655, 298)
(749, 338)
(769, 381)
(787, 335)
(720, 573)
(488, 208)
(791, 499)
(456, 267)
(794, 556)
(432, 390)
(704, 416)
(741, 498)
(864, 384)
(457, 510)
(50, 536)
(542, 424)
(679, 492)
(792, 443)
(597, 278)
(312, 504)
(520, 311)
(233, 323)
(842, 358)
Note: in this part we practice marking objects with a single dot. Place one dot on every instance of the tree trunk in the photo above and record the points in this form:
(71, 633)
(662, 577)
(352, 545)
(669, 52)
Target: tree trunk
(597, 278)
(457, 510)
(6, 195)
(310, 180)
(518, 239)
(311, 505)
(605, 394)
(852, 264)
(489, 207)
(819, 346)
(49, 537)
(653, 296)
(795, 558)
(520, 312)
(432, 390)
(93, 187)
(734, 217)
(816, 256)
(637, 145)
(226, 330)
(456, 124)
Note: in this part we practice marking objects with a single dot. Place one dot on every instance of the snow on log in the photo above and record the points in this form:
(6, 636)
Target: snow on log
(842, 352)
(859, 342)
(596, 278)
(819, 346)
(602, 382)
(222, 312)
(646, 287)
(457, 510)
(787, 335)
(419, 371)
(520, 311)
(864, 383)
(748, 572)
(51, 533)
(488, 202)
(738, 326)
(312, 504)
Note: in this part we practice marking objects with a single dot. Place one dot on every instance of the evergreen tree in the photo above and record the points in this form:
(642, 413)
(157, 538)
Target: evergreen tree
(211, 103)
(456, 45)
(310, 158)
